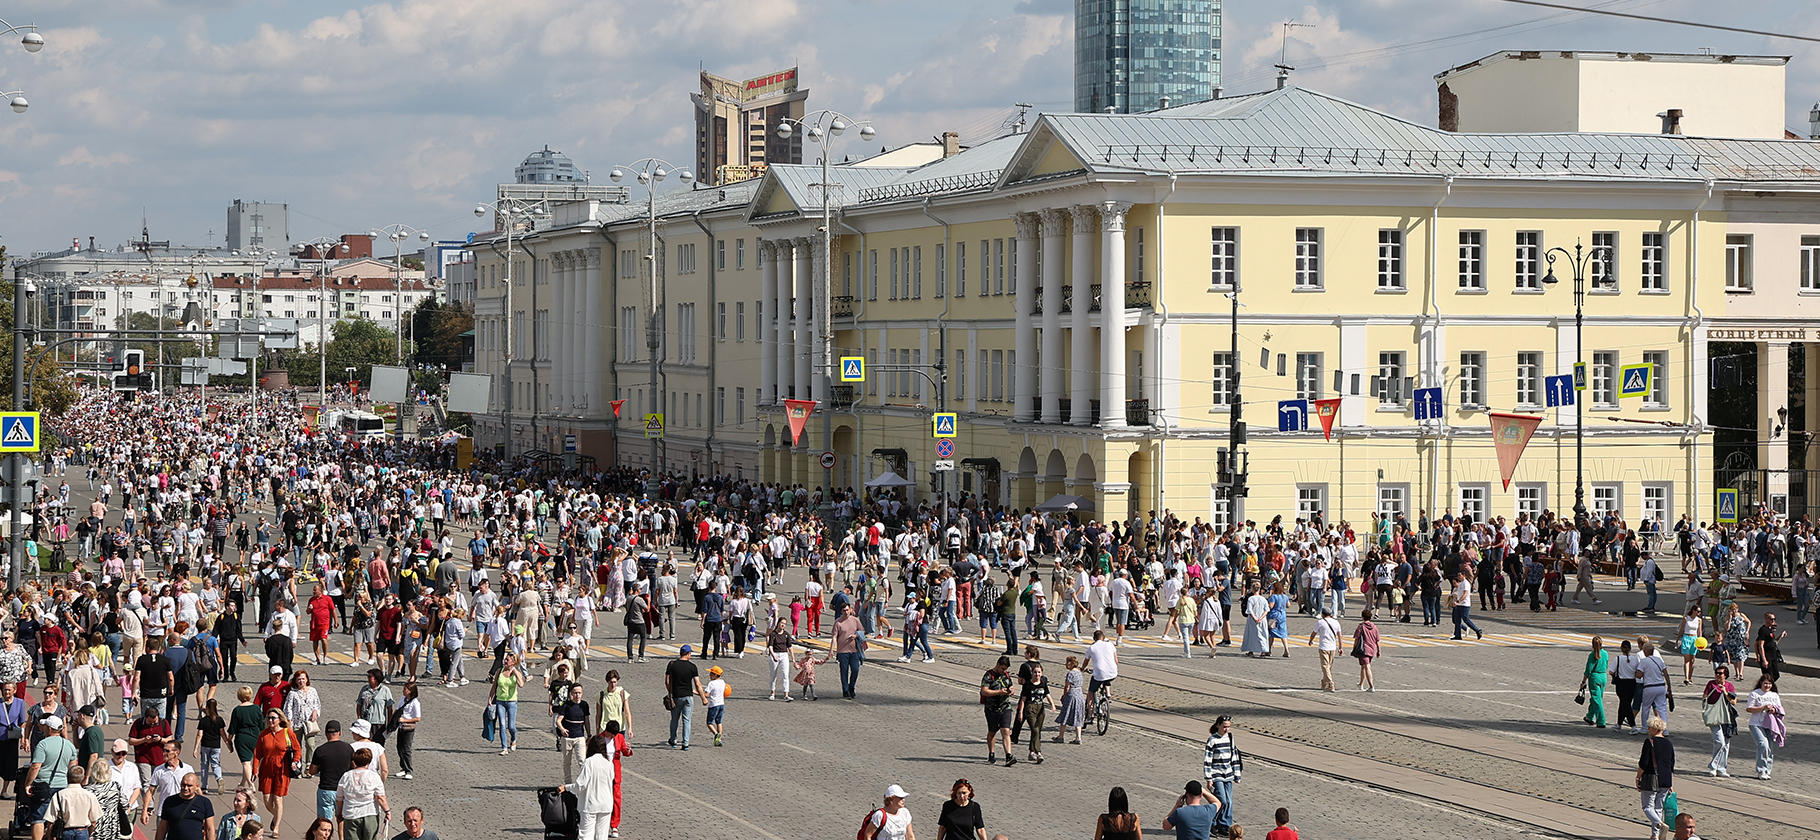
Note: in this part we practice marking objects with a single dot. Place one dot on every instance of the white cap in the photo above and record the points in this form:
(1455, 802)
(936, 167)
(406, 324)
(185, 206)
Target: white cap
(897, 791)
(277, 670)
(53, 722)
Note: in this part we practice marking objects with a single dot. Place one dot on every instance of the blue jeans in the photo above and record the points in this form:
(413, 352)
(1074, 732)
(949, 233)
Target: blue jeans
(1650, 585)
(508, 722)
(1431, 609)
(1462, 618)
(1336, 594)
(177, 712)
(684, 713)
(849, 671)
(211, 765)
(1223, 792)
(948, 622)
(1766, 750)
(1010, 628)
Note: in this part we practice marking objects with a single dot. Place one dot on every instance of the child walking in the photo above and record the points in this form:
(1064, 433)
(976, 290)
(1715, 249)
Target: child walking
(805, 672)
(717, 703)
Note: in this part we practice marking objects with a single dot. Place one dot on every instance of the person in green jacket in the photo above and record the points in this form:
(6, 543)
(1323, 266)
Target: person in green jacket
(1592, 681)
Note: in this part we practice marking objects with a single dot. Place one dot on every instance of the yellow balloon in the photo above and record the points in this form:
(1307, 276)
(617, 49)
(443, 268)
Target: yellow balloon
(1700, 643)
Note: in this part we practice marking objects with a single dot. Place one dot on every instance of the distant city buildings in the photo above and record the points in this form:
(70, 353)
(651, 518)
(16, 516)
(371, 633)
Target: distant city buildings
(735, 122)
(257, 224)
(1129, 55)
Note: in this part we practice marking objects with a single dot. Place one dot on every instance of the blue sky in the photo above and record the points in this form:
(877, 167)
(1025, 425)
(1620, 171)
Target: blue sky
(362, 115)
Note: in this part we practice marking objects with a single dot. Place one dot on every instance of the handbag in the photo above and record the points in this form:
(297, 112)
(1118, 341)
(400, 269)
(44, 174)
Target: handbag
(487, 716)
(669, 703)
(1646, 780)
(1580, 696)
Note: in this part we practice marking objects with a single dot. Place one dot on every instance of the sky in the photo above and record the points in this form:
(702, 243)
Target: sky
(407, 112)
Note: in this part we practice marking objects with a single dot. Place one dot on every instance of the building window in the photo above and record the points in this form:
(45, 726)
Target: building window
(1310, 501)
(1390, 259)
(1472, 260)
(846, 274)
(1605, 378)
(872, 291)
(628, 333)
(1601, 262)
(1220, 511)
(1529, 378)
(913, 268)
(998, 376)
(894, 274)
(739, 258)
(1655, 505)
(1137, 254)
(628, 264)
(720, 406)
(1222, 380)
(1738, 263)
(720, 259)
(1472, 502)
(720, 315)
(1810, 263)
(1529, 500)
(1472, 380)
(1308, 258)
(1010, 379)
(739, 321)
(1308, 376)
(941, 269)
(984, 376)
(1658, 379)
(1529, 260)
(685, 259)
(998, 271)
(739, 407)
(960, 373)
(960, 269)
(1225, 258)
(1653, 275)
(1607, 499)
(1389, 384)
(1393, 501)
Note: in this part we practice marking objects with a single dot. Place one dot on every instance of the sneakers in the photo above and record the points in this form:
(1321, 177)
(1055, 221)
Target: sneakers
(928, 659)
(406, 776)
(1010, 761)
(503, 750)
(992, 758)
(903, 659)
(464, 681)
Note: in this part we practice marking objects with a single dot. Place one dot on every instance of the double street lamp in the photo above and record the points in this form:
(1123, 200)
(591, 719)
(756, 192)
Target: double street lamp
(1604, 274)
(399, 234)
(324, 247)
(259, 256)
(650, 172)
(512, 212)
(32, 42)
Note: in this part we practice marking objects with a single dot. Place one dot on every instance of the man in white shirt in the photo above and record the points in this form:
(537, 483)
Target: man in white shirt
(1103, 658)
(1326, 639)
(1118, 598)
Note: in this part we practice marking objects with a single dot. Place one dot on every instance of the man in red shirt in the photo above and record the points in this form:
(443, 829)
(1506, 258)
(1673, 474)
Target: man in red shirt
(391, 645)
(150, 734)
(322, 617)
(271, 693)
(1283, 831)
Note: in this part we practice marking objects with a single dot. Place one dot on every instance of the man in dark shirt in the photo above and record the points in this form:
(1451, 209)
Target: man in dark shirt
(328, 764)
(92, 742)
(156, 681)
(572, 717)
(1769, 647)
(683, 681)
(188, 815)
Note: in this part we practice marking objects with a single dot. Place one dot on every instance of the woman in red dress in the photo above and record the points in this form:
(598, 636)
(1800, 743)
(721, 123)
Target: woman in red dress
(272, 756)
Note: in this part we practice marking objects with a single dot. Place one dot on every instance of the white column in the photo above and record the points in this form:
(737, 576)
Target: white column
(780, 307)
(1112, 313)
(1055, 231)
(1081, 370)
(562, 319)
(767, 337)
(595, 368)
(818, 374)
(804, 263)
(1023, 376)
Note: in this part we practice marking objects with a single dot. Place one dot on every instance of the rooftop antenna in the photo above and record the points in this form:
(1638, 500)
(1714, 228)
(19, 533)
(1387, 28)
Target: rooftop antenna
(1022, 109)
(1282, 64)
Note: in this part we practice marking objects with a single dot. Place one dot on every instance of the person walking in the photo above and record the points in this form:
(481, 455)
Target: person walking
(404, 724)
(1461, 602)
(996, 698)
(1719, 711)
(1656, 776)
(505, 702)
(1325, 637)
(1074, 702)
(638, 608)
(961, 817)
(891, 822)
(1592, 682)
(243, 726)
(328, 764)
(273, 756)
(849, 649)
(1221, 768)
(1278, 615)
(777, 644)
(682, 686)
(1652, 685)
(1365, 648)
(1033, 703)
(1257, 633)
(596, 795)
(360, 799)
(1624, 676)
(1766, 722)
(1691, 626)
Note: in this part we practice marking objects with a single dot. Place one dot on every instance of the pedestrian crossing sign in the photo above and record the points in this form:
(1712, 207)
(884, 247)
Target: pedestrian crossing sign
(1635, 382)
(19, 431)
(945, 425)
(1727, 504)
(853, 368)
(654, 426)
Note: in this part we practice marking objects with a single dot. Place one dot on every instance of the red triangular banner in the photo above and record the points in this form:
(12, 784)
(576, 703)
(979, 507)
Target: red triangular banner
(1509, 435)
(1328, 410)
(798, 413)
(616, 405)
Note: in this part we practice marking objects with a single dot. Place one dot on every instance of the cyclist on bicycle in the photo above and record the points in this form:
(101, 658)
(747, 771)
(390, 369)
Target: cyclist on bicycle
(1103, 661)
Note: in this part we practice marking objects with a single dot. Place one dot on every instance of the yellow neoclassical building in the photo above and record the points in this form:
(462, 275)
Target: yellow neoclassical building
(1094, 298)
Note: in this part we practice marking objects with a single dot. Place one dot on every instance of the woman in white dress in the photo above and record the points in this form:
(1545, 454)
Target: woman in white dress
(1208, 618)
(1256, 636)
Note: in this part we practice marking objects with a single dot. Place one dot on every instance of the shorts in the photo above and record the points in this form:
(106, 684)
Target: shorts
(999, 719)
(325, 803)
(715, 713)
(390, 646)
(1120, 616)
(988, 621)
(319, 632)
(364, 635)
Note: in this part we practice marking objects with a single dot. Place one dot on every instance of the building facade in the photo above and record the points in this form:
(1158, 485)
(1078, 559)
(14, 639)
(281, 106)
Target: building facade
(734, 122)
(1138, 55)
(257, 224)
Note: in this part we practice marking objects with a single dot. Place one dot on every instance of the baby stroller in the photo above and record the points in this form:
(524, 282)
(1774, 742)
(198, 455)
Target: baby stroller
(1143, 615)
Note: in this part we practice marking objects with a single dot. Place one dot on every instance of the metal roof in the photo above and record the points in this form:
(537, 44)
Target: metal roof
(1296, 130)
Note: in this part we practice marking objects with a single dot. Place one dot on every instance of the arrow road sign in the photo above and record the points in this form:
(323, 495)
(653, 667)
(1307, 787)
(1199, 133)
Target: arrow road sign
(1560, 390)
(1292, 415)
(853, 368)
(1635, 382)
(1428, 404)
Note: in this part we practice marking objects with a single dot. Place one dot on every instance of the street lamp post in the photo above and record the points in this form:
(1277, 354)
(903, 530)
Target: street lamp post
(398, 234)
(512, 211)
(649, 172)
(821, 127)
(259, 255)
(1605, 273)
(324, 247)
(32, 42)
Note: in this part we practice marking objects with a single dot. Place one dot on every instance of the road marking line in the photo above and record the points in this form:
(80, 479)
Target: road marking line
(1152, 787)
(1427, 691)
(795, 747)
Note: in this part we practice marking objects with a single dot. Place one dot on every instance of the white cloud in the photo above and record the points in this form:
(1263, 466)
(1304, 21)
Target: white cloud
(81, 156)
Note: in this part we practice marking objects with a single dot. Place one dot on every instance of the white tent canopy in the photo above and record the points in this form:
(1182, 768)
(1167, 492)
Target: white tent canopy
(1064, 502)
(890, 479)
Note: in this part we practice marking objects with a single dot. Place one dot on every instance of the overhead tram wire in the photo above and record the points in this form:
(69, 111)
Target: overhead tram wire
(1671, 21)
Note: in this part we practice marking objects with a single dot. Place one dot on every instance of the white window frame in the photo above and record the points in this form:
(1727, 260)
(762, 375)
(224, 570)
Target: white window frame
(1472, 261)
(1528, 263)
(1603, 490)
(1390, 260)
(1657, 397)
(1311, 499)
(1221, 381)
(1662, 506)
(1738, 269)
(1389, 381)
(1308, 259)
(1308, 376)
(1474, 500)
(1523, 505)
(1224, 247)
(1472, 379)
(1601, 270)
(1529, 377)
(1810, 263)
(1604, 375)
(960, 269)
(1400, 492)
(1653, 273)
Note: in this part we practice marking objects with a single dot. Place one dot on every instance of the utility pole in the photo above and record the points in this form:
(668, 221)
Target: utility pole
(16, 463)
(1237, 466)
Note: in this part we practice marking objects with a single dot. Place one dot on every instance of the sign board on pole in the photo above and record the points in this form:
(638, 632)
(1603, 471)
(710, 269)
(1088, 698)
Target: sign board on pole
(654, 426)
(827, 460)
(1635, 381)
(1560, 390)
(944, 448)
(946, 425)
(19, 431)
(944, 466)
(1292, 415)
(568, 443)
(1428, 404)
(1579, 376)
(389, 384)
(470, 393)
(1727, 499)
(853, 368)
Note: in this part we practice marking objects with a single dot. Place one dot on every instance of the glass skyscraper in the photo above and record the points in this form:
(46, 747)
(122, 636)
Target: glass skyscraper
(1129, 54)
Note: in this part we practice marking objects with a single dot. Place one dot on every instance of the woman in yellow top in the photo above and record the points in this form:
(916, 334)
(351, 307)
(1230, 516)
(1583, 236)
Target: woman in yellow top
(505, 702)
(613, 704)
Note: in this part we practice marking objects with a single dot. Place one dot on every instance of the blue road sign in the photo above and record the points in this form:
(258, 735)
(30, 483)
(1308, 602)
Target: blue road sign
(1560, 390)
(1292, 415)
(1728, 505)
(1428, 404)
(944, 448)
(945, 425)
(1635, 381)
(19, 431)
(853, 368)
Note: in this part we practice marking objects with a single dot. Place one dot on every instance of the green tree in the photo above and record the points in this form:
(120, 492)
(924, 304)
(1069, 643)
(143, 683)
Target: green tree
(439, 329)
(47, 388)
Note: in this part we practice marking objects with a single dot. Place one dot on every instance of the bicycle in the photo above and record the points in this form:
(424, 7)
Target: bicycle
(1099, 705)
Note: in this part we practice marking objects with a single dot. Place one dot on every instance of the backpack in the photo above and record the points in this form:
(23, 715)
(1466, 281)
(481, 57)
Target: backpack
(864, 823)
(211, 654)
(189, 677)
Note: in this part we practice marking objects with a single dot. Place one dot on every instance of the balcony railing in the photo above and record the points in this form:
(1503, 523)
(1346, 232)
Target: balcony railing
(1137, 293)
(1067, 299)
(1096, 297)
(1137, 412)
(843, 306)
